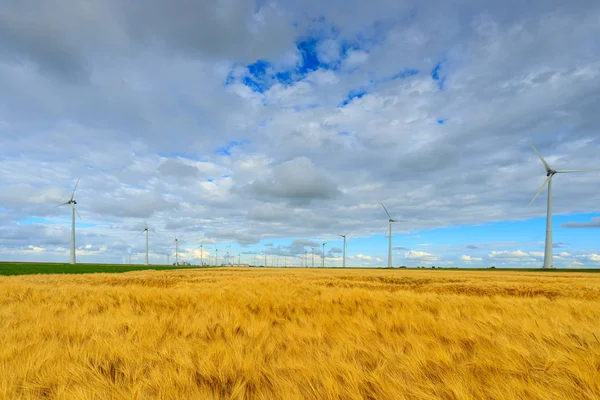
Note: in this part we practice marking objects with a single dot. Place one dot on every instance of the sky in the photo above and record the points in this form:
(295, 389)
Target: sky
(270, 127)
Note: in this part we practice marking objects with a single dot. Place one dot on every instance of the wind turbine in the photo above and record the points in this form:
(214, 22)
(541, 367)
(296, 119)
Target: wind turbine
(550, 174)
(344, 259)
(72, 202)
(145, 230)
(323, 258)
(390, 220)
(176, 241)
(305, 259)
(201, 247)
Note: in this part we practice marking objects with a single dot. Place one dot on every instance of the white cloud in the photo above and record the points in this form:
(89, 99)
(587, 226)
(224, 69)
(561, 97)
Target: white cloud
(539, 254)
(575, 264)
(515, 255)
(364, 257)
(593, 257)
(420, 255)
(469, 258)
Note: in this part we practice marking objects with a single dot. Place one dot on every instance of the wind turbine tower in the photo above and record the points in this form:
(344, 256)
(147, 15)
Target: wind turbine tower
(390, 221)
(323, 257)
(176, 251)
(74, 211)
(145, 230)
(550, 174)
(344, 258)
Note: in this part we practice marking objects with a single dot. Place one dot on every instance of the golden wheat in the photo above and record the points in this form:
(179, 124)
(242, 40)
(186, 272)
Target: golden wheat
(301, 334)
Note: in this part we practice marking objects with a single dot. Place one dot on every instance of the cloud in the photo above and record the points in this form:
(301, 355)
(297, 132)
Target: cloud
(298, 181)
(594, 223)
(420, 255)
(133, 204)
(364, 257)
(593, 257)
(576, 264)
(538, 254)
(469, 258)
(510, 255)
(177, 168)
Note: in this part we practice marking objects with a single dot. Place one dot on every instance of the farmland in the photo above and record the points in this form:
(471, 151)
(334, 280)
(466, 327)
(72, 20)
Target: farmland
(24, 268)
(301, 333)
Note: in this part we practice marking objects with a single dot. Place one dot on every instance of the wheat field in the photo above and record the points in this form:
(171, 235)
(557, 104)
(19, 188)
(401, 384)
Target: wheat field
(300, 334)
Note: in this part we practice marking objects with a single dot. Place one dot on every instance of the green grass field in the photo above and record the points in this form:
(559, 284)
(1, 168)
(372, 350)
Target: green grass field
(26, 268)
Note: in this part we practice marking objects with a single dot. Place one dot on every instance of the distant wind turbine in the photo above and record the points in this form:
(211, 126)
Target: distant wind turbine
(145, 230)
(176, 241)
(323, 258)
(72, 202)
(550, 174)
(390, 220)
(344, 259)
(201, 247)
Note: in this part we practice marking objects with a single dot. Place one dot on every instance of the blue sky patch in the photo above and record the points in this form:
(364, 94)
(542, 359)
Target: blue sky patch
(226, 150)
(441, 121)
(353, 94)
(310, 59)
(437, 75)
(406, 73)
(254, 85)
(34, 220)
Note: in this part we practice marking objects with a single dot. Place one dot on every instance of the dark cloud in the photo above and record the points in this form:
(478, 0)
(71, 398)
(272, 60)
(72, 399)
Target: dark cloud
(298, 181)
(335, 250)
(177, 168)
(594, 223)
(140, 205)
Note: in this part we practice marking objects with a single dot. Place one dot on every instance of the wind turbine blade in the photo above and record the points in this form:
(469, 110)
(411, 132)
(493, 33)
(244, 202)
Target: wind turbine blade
(139, 234)
(77, 212)
(62, 204)
(347, 233)
(73, 195)
(386, 211)
(541, 158)
(566, 171)
(541, 188)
